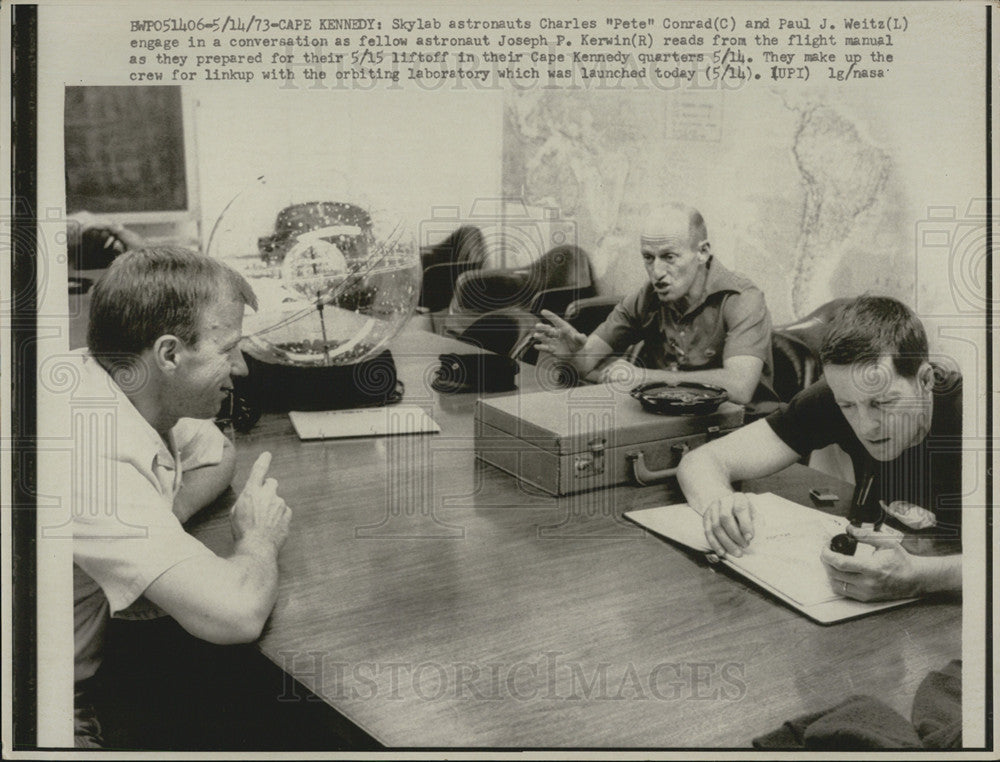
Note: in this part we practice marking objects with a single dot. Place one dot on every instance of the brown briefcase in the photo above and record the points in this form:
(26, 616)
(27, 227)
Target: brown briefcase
(588, 437)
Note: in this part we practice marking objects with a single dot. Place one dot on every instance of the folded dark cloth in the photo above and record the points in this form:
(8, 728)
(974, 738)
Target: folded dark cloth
(937, 708)
(862, 722)
(473, 372)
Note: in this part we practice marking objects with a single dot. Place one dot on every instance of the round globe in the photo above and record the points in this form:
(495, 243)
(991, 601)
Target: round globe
(336, 277)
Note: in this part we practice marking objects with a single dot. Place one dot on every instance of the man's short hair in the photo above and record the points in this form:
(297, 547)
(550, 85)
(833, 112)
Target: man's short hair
(871, 327)
(156, 291)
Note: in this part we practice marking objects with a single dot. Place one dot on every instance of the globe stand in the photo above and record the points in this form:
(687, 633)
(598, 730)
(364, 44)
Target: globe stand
(274, 388)
(322, 327)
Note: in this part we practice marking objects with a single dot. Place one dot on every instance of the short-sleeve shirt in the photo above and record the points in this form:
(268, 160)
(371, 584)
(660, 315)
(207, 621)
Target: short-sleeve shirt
(125, 534)
(729, 319)
(925, 477)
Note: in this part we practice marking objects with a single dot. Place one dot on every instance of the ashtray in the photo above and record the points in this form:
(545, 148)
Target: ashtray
(684, 398)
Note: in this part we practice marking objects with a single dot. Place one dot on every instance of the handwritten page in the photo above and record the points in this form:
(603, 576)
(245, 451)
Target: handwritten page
(364, 422)
(784, 552)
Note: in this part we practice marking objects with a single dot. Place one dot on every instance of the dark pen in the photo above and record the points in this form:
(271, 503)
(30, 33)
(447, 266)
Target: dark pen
(860, 498)
(859, 508)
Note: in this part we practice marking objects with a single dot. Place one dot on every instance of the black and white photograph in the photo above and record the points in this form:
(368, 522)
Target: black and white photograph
(465, 379)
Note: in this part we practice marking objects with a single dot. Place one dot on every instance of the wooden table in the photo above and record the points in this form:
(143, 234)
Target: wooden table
(435, 602)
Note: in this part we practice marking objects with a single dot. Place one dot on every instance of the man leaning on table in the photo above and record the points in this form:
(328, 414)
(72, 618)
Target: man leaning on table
(163, 344)
(697, 320)
(899, 419)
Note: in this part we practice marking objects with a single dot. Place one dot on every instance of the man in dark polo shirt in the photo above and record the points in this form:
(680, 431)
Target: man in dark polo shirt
(898, 417)
(696, 320)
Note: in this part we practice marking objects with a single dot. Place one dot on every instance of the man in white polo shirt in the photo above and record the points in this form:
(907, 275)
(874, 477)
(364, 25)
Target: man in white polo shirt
(163, 343)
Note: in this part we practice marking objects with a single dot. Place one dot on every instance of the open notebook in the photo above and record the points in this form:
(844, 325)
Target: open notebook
(782, 558)
(385, 421)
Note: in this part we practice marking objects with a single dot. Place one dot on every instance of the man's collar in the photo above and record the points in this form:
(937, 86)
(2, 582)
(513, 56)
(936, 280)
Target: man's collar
(714, 279)
(131, 425)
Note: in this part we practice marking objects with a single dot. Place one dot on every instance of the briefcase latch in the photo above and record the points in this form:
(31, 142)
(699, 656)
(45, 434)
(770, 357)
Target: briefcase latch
(590, 463)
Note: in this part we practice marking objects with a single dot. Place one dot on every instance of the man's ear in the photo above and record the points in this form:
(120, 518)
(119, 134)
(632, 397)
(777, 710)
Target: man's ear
(166, 351)
(925, 376)
(704, 251)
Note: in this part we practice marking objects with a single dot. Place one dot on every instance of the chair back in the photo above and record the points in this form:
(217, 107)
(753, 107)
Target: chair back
(444, 263)
(466, 244)
(558, 277)
(586, 314)
(811, 330)
(561, 267)
(498, 331)
(796, 347)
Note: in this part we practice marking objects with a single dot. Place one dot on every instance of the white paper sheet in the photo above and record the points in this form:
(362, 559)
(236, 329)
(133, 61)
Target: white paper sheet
(364, 422)
(783, 556)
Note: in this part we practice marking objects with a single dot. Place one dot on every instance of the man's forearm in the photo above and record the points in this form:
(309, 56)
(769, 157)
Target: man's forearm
(586, 363)
(702, 479)
(259, 560)
(203, 485)
(589, 356)
(940, 574)
(222, 600)
(256, 560)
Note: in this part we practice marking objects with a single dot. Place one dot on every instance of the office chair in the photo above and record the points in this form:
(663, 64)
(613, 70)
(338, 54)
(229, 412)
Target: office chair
(555, 279)
(796, 348)
(499, 331)
(797, 366)
(445, 262)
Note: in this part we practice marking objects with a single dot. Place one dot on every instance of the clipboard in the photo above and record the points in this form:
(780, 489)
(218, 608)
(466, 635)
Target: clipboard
(782, 559)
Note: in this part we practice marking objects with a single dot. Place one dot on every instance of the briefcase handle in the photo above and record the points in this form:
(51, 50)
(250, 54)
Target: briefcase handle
(644, 476)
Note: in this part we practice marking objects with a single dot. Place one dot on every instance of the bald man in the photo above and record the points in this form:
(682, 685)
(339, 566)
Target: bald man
(696, 320)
